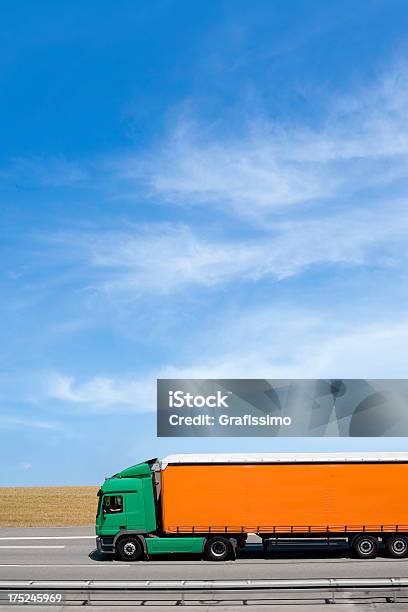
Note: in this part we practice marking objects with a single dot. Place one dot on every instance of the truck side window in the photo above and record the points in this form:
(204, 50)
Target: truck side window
(112, 504)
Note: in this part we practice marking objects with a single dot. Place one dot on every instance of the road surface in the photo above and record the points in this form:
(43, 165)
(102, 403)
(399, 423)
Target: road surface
(69, 553)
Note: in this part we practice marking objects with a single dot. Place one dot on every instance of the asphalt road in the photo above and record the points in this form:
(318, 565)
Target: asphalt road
(69, 553)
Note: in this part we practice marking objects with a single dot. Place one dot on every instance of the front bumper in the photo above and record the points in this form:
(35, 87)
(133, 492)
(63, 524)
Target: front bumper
(104, 544)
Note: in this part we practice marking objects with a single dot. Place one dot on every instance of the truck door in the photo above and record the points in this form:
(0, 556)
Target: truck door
(135, 510)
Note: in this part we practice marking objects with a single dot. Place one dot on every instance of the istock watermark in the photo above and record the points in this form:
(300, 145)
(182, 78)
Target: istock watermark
(179, 399)
(282, 407)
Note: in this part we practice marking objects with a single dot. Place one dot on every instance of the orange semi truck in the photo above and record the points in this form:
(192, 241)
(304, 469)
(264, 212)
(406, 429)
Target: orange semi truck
(209, 503)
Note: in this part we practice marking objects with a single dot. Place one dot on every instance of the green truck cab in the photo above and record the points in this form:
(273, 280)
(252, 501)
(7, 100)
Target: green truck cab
(128, 517)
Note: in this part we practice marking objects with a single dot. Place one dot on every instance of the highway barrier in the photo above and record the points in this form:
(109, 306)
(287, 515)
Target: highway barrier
(191, 592)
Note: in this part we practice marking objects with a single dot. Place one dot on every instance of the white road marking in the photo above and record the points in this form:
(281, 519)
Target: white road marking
(25, 547)
(90, 537)
(119, 565)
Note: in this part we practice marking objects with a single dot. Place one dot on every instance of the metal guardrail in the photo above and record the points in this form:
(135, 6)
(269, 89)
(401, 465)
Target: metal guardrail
(229, 592)
(191, 585)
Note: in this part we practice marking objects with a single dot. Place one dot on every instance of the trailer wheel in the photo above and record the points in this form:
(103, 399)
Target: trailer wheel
(397, 546)
(218, 549)
(130, 549)
(365, 546)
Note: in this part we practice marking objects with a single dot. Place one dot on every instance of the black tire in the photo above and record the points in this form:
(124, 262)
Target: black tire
(218, 548)
(397, 546)
(365, 547)
(130, 549)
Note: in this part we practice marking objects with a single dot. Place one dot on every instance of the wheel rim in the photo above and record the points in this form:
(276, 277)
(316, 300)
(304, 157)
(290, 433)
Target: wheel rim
(366, 547)
(218, 549)
(129, 549)
(399, 546)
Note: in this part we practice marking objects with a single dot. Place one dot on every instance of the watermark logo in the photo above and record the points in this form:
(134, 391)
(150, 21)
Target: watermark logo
(180, 399)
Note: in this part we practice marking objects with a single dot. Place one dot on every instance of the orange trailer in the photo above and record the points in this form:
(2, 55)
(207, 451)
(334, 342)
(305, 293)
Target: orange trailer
(288, 495)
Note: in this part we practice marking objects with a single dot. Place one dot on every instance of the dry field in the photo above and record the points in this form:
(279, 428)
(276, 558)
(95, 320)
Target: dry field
(47, 506)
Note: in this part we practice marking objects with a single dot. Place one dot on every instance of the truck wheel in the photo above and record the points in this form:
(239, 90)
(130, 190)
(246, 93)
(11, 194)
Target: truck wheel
(130, 549)
(365, 547)
(218, 549)
(397, 546)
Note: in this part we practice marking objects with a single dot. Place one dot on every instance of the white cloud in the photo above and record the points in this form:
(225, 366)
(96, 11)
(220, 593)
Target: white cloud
(272, 345)
(26, 466)
(362, 141)
(263, 343)
(16, 422)
(101, 393)
(247, 173)
(164, 258)
(356, 157)
(360, 144)
(297, 344)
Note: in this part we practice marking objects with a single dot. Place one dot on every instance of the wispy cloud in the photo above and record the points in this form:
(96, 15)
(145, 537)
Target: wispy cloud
(100, 394)
(361, 141)
(338, 185)
(295, 343)
(361, 144)
(17, 422)
(262, 343)
(164, 258)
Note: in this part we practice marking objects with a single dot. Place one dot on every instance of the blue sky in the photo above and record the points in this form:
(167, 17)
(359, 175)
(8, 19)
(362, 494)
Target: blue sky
(200, 190)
